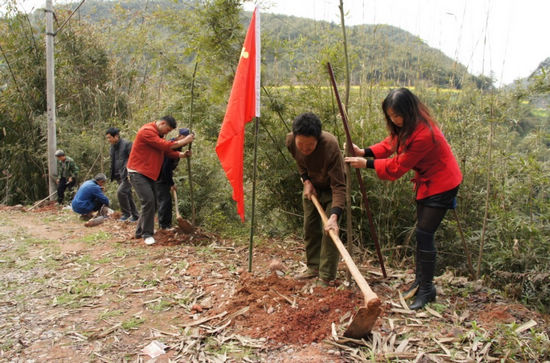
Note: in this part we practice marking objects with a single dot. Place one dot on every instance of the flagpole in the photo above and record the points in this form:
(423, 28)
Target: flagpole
(252, 219)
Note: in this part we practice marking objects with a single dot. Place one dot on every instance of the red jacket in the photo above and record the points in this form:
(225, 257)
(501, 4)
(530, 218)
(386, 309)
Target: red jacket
(434, 163)
(148, 151)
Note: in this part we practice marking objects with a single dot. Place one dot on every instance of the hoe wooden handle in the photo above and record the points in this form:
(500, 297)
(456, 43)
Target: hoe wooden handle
(176, 204)
(361, 282)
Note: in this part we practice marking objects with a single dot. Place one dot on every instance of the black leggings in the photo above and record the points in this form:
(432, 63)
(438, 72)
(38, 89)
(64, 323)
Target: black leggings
(429, 218)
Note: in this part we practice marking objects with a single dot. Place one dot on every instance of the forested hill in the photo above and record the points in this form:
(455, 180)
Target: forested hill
(378, 53)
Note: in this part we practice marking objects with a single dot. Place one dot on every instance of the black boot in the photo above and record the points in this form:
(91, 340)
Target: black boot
(426, 290)
(413, 289)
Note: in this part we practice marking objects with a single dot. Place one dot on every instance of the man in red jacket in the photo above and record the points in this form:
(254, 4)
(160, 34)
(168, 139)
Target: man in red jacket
(144, 166)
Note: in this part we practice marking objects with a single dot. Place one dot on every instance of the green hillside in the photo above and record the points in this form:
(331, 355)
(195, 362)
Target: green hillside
(378, 53)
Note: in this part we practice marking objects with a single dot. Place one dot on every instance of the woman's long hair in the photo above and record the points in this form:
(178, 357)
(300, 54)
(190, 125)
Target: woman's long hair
(405, 104)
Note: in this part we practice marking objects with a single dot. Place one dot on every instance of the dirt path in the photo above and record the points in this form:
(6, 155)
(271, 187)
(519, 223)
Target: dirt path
(71, 293)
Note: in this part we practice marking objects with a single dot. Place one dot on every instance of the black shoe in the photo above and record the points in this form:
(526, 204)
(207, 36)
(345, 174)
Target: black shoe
(123, 218)
(133, 219)
(86, 217)
(425, 294)
(426, 291)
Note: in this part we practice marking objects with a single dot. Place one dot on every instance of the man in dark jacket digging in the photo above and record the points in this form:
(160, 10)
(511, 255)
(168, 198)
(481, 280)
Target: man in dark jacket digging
(165, 184)
(120, 151)
(321, 168)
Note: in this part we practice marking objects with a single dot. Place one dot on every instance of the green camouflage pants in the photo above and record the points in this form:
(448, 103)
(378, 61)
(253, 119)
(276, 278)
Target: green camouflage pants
(321, 253)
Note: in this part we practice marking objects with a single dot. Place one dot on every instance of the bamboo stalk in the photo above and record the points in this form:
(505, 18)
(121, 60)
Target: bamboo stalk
(488, 186)
(190, 175)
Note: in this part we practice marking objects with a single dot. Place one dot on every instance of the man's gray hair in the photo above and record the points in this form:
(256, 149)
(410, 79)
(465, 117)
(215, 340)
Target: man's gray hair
(100, 177)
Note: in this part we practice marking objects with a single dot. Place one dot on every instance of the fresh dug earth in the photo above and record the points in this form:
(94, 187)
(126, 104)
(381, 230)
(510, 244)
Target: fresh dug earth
(302, 319)
(75, 293)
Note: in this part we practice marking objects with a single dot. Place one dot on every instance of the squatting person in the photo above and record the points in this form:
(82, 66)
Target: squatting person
(90, 197)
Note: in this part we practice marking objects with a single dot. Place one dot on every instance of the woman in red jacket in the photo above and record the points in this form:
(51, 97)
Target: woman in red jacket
(418, 144)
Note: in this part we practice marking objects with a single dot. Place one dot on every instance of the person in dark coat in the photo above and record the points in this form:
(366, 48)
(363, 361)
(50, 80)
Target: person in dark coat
(418, 144)
(120, 151)
(165, 184)
(90, 197)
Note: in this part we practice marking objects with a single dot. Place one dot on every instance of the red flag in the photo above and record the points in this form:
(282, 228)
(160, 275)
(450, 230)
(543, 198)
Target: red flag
(242, 107)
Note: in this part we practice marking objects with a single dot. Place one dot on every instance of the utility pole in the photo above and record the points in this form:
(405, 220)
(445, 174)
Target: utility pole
(50, 95)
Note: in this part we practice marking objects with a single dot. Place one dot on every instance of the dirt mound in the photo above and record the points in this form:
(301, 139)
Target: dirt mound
(289, 311)
(494, 314)
(49, 206)
(17, 207)
(175, 236)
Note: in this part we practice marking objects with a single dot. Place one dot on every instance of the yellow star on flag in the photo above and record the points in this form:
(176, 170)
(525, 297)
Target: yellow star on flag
(244, 53)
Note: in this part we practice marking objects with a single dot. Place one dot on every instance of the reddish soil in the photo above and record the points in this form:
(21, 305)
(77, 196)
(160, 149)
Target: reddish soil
(494, 314)
(272, 316)
(50, 206)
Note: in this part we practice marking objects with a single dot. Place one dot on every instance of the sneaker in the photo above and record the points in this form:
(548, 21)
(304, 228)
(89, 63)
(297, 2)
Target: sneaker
(149, 241)
(310, 273)
(123, 218)
(103, 211)
(133, 219)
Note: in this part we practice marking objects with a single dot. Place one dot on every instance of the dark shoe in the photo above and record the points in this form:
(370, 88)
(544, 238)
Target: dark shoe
(310, 273)
(123, 218)
(133, 219)
(426, 291)
(86, 217)
(326, 283)
(426, 294)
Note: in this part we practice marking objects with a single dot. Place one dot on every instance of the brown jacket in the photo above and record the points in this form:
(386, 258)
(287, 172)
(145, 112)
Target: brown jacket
(324, 166)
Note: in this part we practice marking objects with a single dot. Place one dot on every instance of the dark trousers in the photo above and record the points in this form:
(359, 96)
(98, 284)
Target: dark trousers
(164, 200)
(428, 220)
(321, 252)
(145, 189)
(125, 199)
(62, 186)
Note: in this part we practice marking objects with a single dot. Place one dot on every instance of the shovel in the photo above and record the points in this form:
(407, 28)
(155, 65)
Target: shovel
(182, 223)
(366, 316)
